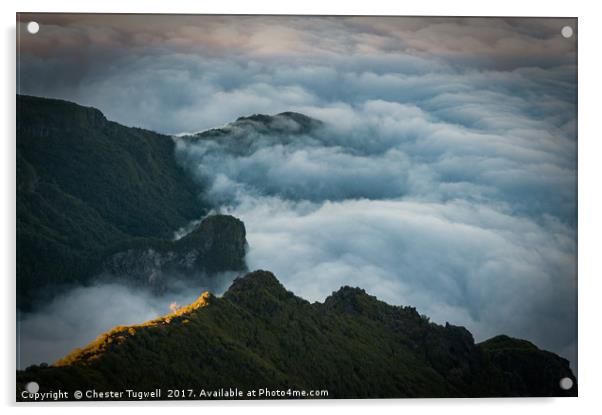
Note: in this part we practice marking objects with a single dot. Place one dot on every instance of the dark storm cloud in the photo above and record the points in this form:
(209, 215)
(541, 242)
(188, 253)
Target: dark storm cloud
(444, 176)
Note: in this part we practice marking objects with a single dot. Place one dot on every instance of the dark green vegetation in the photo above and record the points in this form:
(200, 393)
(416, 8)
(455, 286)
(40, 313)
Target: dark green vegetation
(88, 187)
(261, 335)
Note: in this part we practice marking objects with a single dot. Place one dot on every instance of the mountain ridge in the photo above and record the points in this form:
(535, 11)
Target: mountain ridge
(289, 122)
(259, 333)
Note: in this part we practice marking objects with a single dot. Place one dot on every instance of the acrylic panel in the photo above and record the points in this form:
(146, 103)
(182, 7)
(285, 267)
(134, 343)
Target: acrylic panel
(282, 207)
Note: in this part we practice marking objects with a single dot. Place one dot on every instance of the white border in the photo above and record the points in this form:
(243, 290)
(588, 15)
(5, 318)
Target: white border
(372, 7)
(590, 206)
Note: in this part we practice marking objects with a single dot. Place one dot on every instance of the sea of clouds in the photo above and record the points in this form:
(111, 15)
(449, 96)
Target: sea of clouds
(472, 227)
(443, 177)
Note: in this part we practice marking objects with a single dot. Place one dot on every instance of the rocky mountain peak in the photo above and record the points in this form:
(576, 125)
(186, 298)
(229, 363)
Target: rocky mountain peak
(289, 122)
(257, 281)
(352, 300)
(285, 123)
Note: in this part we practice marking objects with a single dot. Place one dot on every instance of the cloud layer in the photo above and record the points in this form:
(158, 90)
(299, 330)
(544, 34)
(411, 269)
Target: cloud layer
(444, 176)
(187, 73)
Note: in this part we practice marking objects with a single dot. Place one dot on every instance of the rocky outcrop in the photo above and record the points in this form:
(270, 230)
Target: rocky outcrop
(292, 123)
(218, 244)
(247, 134)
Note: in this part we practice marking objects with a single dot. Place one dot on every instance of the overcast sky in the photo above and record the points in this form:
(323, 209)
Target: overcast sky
(444, 176)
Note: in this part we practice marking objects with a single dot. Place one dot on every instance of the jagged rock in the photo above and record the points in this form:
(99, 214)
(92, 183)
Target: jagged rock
(218, 244)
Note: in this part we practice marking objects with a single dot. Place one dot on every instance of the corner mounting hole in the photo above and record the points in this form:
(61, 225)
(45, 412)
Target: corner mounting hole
(566, 383)
(33, 27)
(566, 32)
(32, 387)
